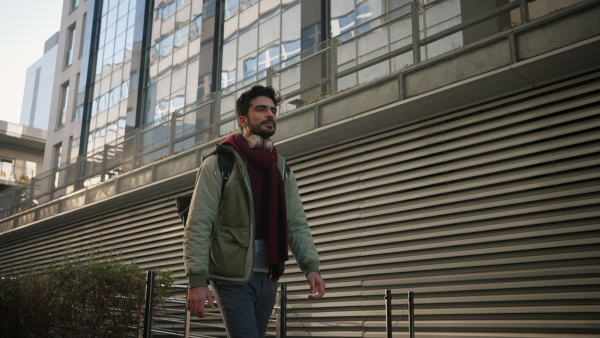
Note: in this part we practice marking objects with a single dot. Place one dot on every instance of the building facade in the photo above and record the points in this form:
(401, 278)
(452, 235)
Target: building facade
(448, 148)
(39, 83)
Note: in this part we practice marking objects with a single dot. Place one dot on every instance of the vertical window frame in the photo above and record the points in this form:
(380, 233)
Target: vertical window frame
(61, 117)
(69, 46)
(73, 5)
(74, 98)
(82, 36)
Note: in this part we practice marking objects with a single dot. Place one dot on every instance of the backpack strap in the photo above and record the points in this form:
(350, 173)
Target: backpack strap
(225, 160)
(287, 171)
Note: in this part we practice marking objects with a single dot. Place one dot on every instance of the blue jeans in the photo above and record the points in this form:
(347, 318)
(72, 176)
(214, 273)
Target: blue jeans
(246, 309)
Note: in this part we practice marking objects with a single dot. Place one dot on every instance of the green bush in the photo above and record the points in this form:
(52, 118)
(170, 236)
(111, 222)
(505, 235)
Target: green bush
(91, 298)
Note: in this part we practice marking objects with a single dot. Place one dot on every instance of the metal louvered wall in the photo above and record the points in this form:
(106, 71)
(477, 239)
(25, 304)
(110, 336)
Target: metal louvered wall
(489, 215)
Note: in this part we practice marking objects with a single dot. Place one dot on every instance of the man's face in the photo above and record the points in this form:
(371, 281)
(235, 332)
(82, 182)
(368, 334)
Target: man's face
(261, 119)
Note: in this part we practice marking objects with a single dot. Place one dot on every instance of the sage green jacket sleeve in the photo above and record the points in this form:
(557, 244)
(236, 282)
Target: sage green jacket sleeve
(201, 219)
(299, 237)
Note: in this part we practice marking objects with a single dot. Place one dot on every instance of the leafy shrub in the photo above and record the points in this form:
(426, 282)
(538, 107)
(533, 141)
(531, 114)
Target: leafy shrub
(89, 298)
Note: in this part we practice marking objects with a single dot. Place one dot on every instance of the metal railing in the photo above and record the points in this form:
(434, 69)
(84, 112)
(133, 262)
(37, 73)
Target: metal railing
(280, 314)
(13, 174)
(384, 45)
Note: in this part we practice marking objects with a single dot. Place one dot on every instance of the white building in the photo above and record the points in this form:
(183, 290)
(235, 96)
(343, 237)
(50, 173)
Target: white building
(39, 83)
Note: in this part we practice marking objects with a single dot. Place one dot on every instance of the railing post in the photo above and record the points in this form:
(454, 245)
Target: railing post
(416, 32)
(147, 332)
(31, 190)
(388, 313)
(411, 314)
(104, 166)
(187, 322)
(187, 319)
(333, 66)
(172, 126)
(269, 77)
(52, 183)
(216, 113)
(79, 171)
(136, 145)
(524, 11)
(282, 332)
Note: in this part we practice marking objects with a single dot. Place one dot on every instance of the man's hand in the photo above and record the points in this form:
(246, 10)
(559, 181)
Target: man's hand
(196, 298)
(317, 285)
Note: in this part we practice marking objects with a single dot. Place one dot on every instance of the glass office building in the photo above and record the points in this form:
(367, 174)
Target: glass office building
(107, 113)
(145, 63)
(145, 60)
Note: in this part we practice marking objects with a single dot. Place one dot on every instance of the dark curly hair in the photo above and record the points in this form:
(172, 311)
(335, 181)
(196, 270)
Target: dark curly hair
(242, 104)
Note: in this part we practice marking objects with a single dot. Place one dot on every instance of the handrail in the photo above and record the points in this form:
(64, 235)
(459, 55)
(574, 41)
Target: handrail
(281, 314)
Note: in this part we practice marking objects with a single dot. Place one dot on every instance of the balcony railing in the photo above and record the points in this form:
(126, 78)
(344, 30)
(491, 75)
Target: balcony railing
(12, 174)
(384, 45)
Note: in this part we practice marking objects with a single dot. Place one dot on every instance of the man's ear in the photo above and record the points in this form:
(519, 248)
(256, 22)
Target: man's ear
(242, 121)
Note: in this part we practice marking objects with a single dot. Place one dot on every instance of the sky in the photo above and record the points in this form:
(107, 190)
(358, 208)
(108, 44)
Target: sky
(24, 25)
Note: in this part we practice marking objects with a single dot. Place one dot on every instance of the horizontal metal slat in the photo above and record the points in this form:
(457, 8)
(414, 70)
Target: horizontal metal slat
(450, 131)
(580, 132)
(515, 103)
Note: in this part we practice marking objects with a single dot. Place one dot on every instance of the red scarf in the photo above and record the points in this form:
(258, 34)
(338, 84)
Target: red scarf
(268, 195)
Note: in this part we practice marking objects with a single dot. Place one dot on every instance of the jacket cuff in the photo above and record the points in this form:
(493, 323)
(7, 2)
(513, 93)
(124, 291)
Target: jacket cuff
(310, 267)
(197, 279)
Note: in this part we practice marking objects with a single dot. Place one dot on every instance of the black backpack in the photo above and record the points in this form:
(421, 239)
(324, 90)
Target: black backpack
(182, 202)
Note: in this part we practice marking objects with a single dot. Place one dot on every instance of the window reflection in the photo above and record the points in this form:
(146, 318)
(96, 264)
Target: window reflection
(231, 7)
(345, 17)
(289, 50)
(311, 36)
(111, 87)
(253, 46)
(181, 36)
(227, 78)
(176, 23)
(196, 27)
(166, 45)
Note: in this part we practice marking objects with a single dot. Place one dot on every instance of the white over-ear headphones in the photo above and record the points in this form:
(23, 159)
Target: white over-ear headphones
(256, 142)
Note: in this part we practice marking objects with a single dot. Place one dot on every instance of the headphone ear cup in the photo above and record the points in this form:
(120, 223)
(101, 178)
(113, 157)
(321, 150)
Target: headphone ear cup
(269, 144)
(259, 142)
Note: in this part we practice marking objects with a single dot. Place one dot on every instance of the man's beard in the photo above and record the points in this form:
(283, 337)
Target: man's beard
(264, 133)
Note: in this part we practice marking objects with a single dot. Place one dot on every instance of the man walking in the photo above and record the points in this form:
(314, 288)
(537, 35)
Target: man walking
(237, 235)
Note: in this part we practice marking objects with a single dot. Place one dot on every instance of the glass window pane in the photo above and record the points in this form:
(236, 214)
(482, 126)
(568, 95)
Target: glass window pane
(248, 42)
(342, 16)
(269, 31)
(181, 36)
(249, 67)
(110, 32)
(178, 79)
(120, 41)
(121, 25)
(164, 87)
(196, 27)
(124, 7)
(112, 17)
(231, 7)
(166, 45)
(129, 39)
(131, 17)
(229, 55)
(267, 7)
(290, 27)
